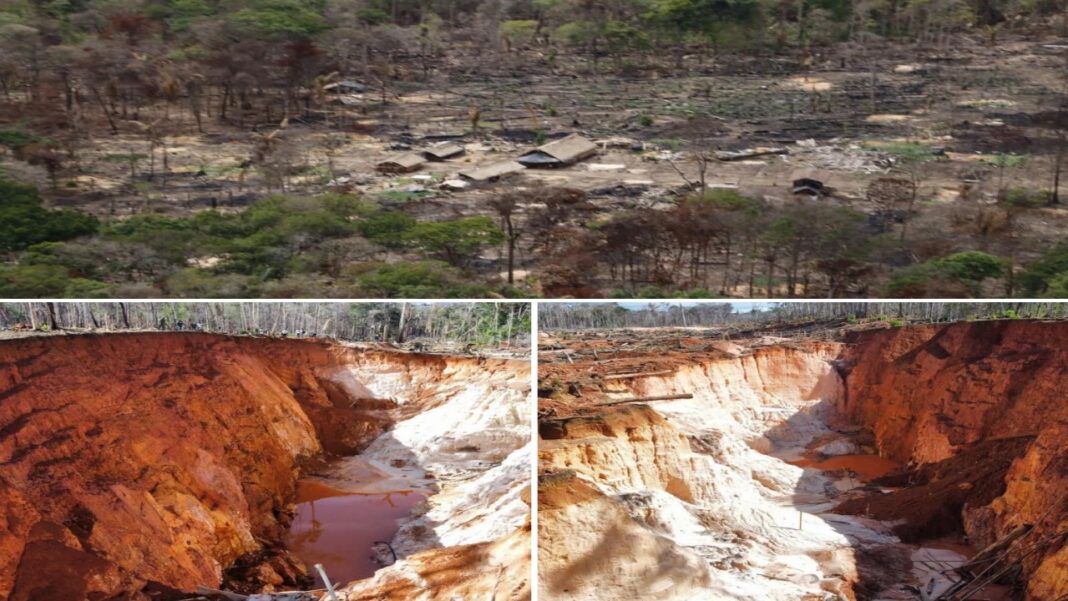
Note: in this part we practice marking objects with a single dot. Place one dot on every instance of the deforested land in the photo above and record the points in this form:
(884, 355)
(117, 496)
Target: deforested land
(554, 148)
(831, 451)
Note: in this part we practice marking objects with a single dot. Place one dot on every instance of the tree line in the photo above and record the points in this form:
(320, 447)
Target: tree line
(720, 243)
(586, 316)
(488, 324)
(325, 246)
(716, 243)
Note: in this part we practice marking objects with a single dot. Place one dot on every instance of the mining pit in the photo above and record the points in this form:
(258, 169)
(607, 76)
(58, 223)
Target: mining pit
(918, 462)
(171, 466)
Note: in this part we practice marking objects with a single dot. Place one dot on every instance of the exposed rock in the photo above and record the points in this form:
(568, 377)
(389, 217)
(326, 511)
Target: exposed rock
(676, 503)
(154, 461)
(930, 392)
(973, 412)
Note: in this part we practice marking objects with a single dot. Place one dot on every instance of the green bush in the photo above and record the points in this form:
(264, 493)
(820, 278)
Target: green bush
(419, 279)
(96, 258)
(279, 18)
(24, 222)
(909, 151)
(259, 241)
(456, 241)
(1057, 286)
(1049, 275)
(518, 31)
(47, 281)
(964, 270)
(202, 283)
(727, 200)
(1023, 198)
(387, 228)
(16, 139)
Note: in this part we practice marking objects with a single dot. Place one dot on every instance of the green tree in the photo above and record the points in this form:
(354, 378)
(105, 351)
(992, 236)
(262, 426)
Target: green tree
(1048, 273)
(280, 18)
(419, 279)
(457, 241)
(702, 19)
(387, 228)
(517, 32)
(959, 274)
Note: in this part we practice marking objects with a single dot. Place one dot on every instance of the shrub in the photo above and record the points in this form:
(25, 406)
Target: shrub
(24, 222)
(1049, 274)
(960, 272)
(1023, 198)
(47, 281)
(456, 241)
(419, 279)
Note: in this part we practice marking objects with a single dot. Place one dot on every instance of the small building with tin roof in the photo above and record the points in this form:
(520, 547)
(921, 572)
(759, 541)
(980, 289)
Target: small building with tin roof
(559, 153)
(494, 172)
(401, 163)
(443, 151)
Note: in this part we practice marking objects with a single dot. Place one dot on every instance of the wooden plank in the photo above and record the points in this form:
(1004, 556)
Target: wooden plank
(647, 399)
(638, 374)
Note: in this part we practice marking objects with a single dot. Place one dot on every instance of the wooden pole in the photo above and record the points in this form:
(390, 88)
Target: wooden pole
(993, 549)
(646, 399)
(638, 374)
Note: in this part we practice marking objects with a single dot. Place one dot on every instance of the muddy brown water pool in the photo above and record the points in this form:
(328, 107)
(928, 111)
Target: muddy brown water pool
(338, 528)
(932, 560)
(867, 467)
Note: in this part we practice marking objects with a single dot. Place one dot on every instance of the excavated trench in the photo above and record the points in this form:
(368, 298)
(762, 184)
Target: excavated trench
(812, 471)
(144, 466)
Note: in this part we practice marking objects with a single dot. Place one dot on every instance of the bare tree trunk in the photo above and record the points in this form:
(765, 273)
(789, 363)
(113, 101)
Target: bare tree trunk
(1058, 165)
(104, 107)
(402, 322)
(53, 322)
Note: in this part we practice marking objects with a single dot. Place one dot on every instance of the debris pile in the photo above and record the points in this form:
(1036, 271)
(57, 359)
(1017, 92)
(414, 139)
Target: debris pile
(851, 157)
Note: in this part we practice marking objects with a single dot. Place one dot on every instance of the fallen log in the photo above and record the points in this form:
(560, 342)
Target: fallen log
(749, 153)
(638, 374)
(646, 399)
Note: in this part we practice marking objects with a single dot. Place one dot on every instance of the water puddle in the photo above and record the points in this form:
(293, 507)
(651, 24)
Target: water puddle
(358, 475)
(867, 467)
(338, 528)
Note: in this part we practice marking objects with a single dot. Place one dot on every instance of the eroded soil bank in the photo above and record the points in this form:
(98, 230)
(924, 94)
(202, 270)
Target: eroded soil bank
(137, 466)
(805, 470)
(932, 394)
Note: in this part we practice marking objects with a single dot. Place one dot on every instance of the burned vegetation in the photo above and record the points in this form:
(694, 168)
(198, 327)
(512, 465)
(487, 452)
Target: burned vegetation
(360, 148)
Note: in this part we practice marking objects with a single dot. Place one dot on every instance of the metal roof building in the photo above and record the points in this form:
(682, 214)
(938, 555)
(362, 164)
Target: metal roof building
(443, 151)
(492, 172)
(558, 153)
(402, 163)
